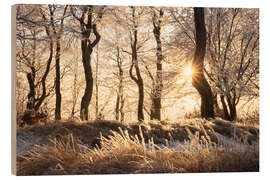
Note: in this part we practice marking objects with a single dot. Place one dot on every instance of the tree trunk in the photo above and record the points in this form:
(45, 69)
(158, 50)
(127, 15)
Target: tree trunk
(229, 109)
(217, 109)
(117, 107)
(88, 80)
(58, 34)
(233, 112)
(44, 94)
(31, 77)
(232, 108)
(138, 80)
(57, 81)
(119, 113)
(122, 100)
(158, 85)
(141, 96)
(74, 93)
(225, 109)
(31, 95)
(87, 27)
(139, 83)
(97, 110)
(198, 79)
(120, 97)
(33, 101)
(39, 101)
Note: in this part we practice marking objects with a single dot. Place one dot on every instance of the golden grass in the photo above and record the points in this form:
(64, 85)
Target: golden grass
(124, 150)
(89, 132)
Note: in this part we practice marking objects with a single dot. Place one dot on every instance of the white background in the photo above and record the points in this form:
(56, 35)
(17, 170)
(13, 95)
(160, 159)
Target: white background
(5, 85)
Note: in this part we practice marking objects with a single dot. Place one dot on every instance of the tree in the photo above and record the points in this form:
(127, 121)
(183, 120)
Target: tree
(198, 78)
(120, 100)
(113, 45)
(75, 90)
(157, 84)
(233, 48)
(139, 62)
(29, 49)
(87, 27)
(138, 80)
(96, 78)
(52, 9)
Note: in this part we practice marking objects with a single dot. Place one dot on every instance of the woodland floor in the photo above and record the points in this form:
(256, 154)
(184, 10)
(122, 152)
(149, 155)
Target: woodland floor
(108, 147)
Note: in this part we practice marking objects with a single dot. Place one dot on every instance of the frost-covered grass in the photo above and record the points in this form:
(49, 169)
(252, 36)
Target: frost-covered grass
(154, 147)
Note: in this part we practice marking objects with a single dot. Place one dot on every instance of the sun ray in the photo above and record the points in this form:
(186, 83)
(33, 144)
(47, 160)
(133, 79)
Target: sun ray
(188, 71)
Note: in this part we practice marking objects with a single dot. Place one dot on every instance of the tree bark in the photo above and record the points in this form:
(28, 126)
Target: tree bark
(57, 82)
(122, 114)
(57, 61)
(119, 114)
(141, 95)
(38, 101)
(87, 27)
(97, 110)
(74, 93)
(139, 83)
(44, 94)
(88, 80)
(31, 95)
(225, 109)
(31, 77)
(232, 108)
(34, 102)
(229, 108)
(138, 80)
(158, 85)
(117, 107)
(198, 78)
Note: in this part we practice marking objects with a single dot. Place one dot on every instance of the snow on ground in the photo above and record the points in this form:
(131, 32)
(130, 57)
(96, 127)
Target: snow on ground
(225, 142)
(232, 144)
(26, 141)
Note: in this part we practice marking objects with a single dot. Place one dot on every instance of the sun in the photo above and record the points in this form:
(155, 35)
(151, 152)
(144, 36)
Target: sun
(188, 71)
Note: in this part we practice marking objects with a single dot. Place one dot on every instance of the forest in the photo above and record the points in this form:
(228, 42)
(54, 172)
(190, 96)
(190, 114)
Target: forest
(136, 89)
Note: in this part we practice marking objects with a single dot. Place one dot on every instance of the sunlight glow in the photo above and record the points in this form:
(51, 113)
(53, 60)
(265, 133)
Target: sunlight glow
(188, 71)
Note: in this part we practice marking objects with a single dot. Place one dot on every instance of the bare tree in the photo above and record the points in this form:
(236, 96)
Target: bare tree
(96, 78)
(198, 78)
(139, 63)
(87, 27)
(232, 53)
(75, 91)
(233, 48)
(29, 37)
(120, 100)
(57, 34)
(157, 84)
(138, 80)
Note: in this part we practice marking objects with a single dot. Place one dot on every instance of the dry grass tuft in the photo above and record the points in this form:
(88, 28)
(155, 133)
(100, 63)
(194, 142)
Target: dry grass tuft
(133, 150)
(250, 118)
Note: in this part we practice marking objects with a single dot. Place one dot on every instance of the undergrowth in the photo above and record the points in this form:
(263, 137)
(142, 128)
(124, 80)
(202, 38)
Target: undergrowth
(136, 149)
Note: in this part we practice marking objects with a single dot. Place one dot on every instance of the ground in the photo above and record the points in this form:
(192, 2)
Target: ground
(102, 147)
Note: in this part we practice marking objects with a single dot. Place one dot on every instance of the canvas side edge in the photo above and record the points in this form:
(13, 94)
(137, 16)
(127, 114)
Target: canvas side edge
(13, 90)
